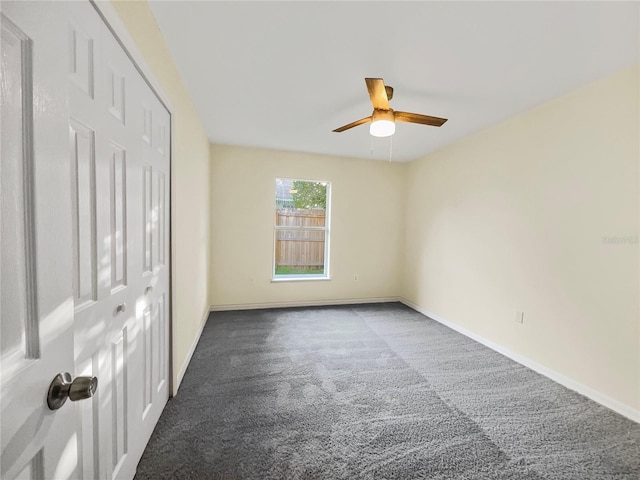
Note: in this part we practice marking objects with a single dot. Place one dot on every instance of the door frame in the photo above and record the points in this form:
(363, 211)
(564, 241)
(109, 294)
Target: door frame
(114, 23)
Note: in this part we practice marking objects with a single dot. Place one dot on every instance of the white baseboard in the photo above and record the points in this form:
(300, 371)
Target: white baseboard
(557, 377)
(306, 303)
(187, 360)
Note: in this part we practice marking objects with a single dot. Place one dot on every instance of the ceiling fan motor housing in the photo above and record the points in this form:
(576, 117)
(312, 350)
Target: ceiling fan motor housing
(382, 115)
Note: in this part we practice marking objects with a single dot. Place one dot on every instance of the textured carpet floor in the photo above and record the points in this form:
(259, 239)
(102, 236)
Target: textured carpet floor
(374, 392)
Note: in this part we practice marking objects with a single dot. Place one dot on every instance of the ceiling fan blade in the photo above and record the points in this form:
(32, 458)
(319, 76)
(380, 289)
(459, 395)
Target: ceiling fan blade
(353, 124)
(377, 93)
(417, 118)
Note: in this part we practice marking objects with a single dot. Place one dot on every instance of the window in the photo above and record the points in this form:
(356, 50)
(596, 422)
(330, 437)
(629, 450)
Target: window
(301, 229)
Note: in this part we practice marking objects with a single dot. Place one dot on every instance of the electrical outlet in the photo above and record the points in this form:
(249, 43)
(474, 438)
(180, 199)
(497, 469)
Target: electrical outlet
(520, 317)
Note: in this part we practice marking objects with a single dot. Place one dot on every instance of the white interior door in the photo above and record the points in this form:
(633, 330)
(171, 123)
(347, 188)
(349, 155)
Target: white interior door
(115, 234)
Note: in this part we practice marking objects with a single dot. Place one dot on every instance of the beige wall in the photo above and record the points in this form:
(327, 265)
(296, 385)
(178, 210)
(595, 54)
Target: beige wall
(189, 184)
(518, 218)
(366, 226)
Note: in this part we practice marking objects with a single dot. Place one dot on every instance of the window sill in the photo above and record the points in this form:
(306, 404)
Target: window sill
(294, 278)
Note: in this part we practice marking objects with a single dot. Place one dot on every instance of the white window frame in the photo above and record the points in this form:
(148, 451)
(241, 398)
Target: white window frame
(298, 277)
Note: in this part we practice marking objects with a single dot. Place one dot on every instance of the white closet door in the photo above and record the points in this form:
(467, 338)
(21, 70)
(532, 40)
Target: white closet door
(106, 240)
(152, 127)
(37, 307)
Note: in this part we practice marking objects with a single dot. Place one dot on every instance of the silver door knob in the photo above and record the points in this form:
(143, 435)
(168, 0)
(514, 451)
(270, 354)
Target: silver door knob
(121, 308)
(62, 387)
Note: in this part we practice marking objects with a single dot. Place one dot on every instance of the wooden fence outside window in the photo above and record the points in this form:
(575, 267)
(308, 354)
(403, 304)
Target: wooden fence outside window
(300, 246)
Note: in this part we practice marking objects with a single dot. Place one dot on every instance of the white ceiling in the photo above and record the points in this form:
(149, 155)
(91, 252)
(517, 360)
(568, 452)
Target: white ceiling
(284, 74)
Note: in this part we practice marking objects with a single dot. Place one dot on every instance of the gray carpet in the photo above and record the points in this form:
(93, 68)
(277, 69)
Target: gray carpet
(374, 392)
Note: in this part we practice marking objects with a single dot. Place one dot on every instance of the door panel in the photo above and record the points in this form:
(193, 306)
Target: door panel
(119, 363)
(162, 224)
(85, 219)
(162, 347)
(82, 49)
(118, 204)
(36, 315)
(83, 187)
(147, 218)
(20, 341)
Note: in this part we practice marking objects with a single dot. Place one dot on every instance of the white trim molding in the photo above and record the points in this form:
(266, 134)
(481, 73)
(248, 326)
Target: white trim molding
(308, 278)
(557, 377)
(307, 303)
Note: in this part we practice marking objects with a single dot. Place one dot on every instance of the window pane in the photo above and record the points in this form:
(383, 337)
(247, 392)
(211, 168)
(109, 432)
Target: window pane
(300, 252)
(300, 227)
(300, 217)
(303, 194)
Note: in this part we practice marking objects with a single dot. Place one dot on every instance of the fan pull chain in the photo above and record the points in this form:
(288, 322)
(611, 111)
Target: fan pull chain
(390, 147)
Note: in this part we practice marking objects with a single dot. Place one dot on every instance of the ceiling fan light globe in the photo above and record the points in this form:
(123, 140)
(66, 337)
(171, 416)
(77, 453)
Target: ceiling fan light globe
(382, 128)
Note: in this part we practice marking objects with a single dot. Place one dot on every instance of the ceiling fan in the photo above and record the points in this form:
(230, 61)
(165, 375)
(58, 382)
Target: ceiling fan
(383, 117)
